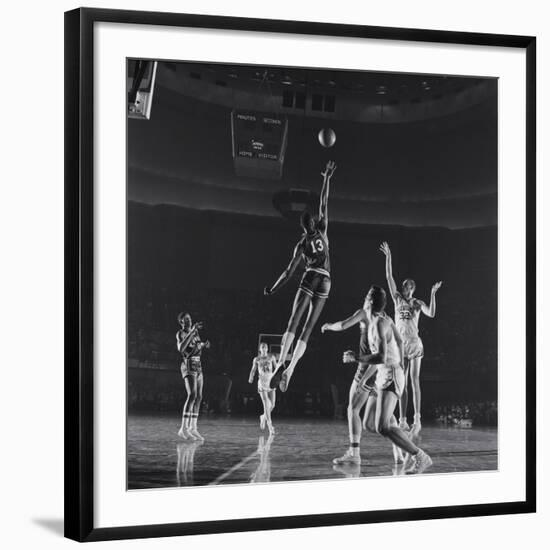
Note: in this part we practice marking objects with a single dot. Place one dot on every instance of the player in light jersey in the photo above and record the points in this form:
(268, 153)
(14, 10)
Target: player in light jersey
(190, 346)
(313, 249)
(407, 314)
(385, 360)
(265, 365)
(361, 387)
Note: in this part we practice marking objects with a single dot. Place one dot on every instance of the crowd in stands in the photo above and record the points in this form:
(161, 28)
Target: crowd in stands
(484, 413)
(233, 321)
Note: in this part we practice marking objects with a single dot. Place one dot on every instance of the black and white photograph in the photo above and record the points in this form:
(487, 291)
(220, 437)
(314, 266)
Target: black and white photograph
(312, 274)
(274, 274)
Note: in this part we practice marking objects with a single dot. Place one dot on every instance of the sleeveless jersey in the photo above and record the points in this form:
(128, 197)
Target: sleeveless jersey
(392, 349)
(315, 252)
(265, 366)
(192, 349)
(407, 313)
(364, 348)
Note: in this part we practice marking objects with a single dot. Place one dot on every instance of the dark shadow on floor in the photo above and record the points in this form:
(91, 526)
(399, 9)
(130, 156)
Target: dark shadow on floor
(55, 525)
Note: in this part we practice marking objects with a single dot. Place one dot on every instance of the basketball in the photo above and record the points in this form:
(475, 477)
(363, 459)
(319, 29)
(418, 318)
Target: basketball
(327, 137)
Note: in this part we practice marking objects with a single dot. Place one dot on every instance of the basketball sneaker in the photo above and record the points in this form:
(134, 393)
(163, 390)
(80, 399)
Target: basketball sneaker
(420, 462)
(285, 379)
(194, 433)
(183, 433)
(348, 458)
(403, 424)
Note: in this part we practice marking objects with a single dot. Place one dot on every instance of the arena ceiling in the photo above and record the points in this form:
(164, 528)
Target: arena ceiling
(411, 149)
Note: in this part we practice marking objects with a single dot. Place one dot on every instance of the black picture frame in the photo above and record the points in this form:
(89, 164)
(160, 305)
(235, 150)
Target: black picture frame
(79, 272)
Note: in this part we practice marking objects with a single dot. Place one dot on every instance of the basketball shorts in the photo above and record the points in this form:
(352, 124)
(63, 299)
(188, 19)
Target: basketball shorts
(413, 348)
(390, 378)
(315, 284)
(263, 383)
(363, 383)
(191, 367)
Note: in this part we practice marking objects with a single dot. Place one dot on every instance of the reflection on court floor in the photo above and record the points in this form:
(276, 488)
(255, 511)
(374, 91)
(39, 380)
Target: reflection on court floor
(236, 451)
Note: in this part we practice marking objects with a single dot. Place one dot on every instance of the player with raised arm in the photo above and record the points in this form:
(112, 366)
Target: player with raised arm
(313, 249)
(265, 365)
(361, 387)
(384, 359)
(407, 314)
(190, 346)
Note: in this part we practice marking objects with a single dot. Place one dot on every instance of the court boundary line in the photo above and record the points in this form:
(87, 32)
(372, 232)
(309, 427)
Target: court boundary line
(234, 468)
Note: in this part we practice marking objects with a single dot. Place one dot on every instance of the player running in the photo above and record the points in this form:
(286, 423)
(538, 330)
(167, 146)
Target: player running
(190, 346)
(265, 364)
(407, 314)
(385, 360)
(314, 288)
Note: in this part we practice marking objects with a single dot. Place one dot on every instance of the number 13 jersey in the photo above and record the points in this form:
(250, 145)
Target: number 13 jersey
(315, 252)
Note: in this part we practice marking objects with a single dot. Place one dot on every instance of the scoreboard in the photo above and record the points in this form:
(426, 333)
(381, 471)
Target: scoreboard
(258, 143)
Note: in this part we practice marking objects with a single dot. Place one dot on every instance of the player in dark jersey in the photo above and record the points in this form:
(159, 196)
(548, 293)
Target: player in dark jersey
(314, 288)
(407, 315)
(190, 346)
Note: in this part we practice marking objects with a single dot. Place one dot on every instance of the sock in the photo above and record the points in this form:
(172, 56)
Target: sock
(354, 448)
(188, 423)
(286, 342)
(185, 420)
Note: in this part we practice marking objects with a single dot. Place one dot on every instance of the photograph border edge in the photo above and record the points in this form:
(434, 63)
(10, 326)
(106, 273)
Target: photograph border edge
(79, 247)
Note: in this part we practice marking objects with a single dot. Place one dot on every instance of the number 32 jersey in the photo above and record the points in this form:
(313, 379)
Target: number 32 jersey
(315, 252)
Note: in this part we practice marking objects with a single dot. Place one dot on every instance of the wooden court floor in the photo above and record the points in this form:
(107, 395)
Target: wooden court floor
(235, 450)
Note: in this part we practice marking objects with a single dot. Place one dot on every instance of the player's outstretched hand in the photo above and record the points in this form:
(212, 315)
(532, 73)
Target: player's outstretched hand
(329, 169)
(267, 291)
(385, 248)
(197, 325)
(436, 286)
(207, 344)
(325, 327)
(348, 357)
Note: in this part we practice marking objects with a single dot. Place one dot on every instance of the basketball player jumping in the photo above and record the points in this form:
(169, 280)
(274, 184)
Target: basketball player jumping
(190, 346)
(407, 314)
(385, 360)
(314, 288)
(265, 364)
